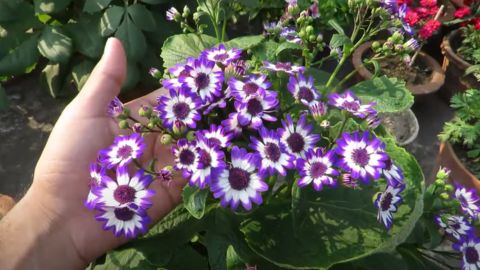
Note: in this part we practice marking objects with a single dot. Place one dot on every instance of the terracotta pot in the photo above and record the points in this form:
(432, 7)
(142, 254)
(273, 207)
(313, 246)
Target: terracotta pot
(454, 67)
(6, 203)
(434, 83)
(459, 173)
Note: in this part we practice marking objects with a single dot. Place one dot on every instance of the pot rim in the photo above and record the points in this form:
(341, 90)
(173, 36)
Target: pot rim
(416, 130)
(448, 146)
(450, 53)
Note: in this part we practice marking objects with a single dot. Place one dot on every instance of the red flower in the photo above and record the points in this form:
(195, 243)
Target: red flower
(428, 3)
(462, 12)
(476, 23)
(401, 2)
(428, 29)
(411, 17)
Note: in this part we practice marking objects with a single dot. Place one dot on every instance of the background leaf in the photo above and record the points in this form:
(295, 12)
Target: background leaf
(20, 58)
(142, 17)
(86, 37)
(178, 48)
(244, 42)
(194, 200)
(81, 72)
(132, 39)
(50, 6)
(92, 6)
(111, 19)
(55, 45)
(53, 78)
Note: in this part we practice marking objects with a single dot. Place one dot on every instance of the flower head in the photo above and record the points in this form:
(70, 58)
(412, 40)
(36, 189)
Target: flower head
(128, 221)
(429, 28)
(232, 125)
(303, 90)
(257, 109)
(204, 80)
(251, 86)
(97, 178)
(456, 226)
(412, 44)
(387, 203)
(317, 109)
(173, 14)
(221, 55)
(181, 106)
(470, 249)
(350, 103)
(115, 107)
(283, 67)
(392, 173)
(240, 183)
(186, 156)
(290, 35)
(210, 158)
(317, 167)
(298, 138)
(468, 200)
(123, 150)
(462, 12)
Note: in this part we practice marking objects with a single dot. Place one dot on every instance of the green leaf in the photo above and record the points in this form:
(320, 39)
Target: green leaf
(86, 38)
(334, 24)
(92, 6)
(194, 200)
(9, 10)
(217, 250)
(287, 46)
(265, 51)
(234, 262)
(154, 2)
(390, 94)
(110, 20)
(132, 39)
(125, 259)
(55, 45)
(339, 40)
(178, 48)
(188, 258)
(341, 224)
(244, 42)
(50, 6)
(20, 58)
(81, 72)
(3, 98)
(142, 17)
(321, 77)
(53, 78)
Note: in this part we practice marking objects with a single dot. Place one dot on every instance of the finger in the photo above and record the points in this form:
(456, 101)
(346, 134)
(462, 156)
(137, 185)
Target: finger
(105, 81)
(148, 100)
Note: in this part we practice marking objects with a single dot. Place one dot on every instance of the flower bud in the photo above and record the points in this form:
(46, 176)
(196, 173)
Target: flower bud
(312, 38)
(186, 11)
(166, 139)
(145, 111)
(123, 124)
(448, 188)
(325, 124)
(179, 128)
(309, 29)
(190, 135)
(444, 196)
(155, 73)
(443, 173)
(439, 183)
(137, 128)
(196, 16)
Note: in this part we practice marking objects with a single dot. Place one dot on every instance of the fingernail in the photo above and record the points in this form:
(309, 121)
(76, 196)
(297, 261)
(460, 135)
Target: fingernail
(108, 47)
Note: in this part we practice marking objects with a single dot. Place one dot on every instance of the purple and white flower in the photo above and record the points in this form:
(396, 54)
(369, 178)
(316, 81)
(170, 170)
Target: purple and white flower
(412, 43)
(349, 102)
(362, 157)
(392, 173)
(470, 249)
(317, 167)
(186, 156)
(210, 157)
(275, 159)
(177, 73)
(290, 35)
(348, 181)
(232, 125)
(240, 183)
(373, 120)
(283, 67)
(314, 10)
(221, 55)
(173, 14)
(468, 199)
(317, 109)
(303, 90)
(252, 86)
(123, 150)
(298, 138)
(204, 80)
(97, 178)
(270, 27)
(257, 109)
(128, 221)
(387, 203)
(181, 106)
(217, 135)
(456, 226)
(115, 107)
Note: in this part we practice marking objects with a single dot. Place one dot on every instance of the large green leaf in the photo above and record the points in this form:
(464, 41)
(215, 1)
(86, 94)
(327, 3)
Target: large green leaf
(178, 48)
(53, 78)
(50, 6)
(3, 98)
(9, 9)
(245, 42)
(55, 45)
(217, 246)
(390, 94)
(81, 72)
(86, 37)
(111, 19)
(266, 51)
(194, 200)
(92, 6)
(132, 39)
(125, 259)
(338, 225)
(142, 17)
(287, 47)
(154, 2)
(20, 58)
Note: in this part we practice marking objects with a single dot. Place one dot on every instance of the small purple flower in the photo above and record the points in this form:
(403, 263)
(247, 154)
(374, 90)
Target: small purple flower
(165, 175)
(298, 138)
(317, 109)
(275, 159)
(123, 150)
(240, 183)
(251, 86)
(314, 10)
(373, 120)
(392, 173)
(270, 27)
(97, 178)
(387, 203)
(232, 125)
(412, 44)
(317, 167)
(128, 221)
(290, 35)
(348, 181)
(115, 107)
(237, 68)
(155, 73)
(468, 199)
(362, 157)
(283, 67)
(181, 106)
(177, 73)
(173, 14)
(203, 80)
(221, 55)
(257, 109)
(456, 226)
(210, 158)
(303, 90)
(349, 102)
(470, 249)
(390, 5)
(125, 190)
(186, 156)
(217, 135)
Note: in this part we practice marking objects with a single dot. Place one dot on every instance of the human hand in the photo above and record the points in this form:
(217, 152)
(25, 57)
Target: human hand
(54, 202)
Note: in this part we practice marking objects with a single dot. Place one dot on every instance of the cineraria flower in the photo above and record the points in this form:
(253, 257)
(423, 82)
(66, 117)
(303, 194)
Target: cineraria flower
(237, 68)
(128, 221)
(97, 174)
(348, 181)
(303, 90)
(298, 138)
(317, 109)
(456, 226)
(317, 167)
(232, 125)
(239, 183)
(270, 27)
(125, 190)
(217, 135)
(253, 85)
(256, 109)
(203, 80)
(221, 55)
(373, 120)
(173, 14)
(283, 67)
(165, 175)
(364, 158)
(314, 10)
(412, 44)
(115, 107)
(387, 203)
(392, 173)
(275, 159)
(186, 156)
(210, 158)
(123, 150)
(178, 71)
(470, 248)
(290, 35)
(429, 28)
(468, 200)
(349, 102)
(181, 106)
(390, 5)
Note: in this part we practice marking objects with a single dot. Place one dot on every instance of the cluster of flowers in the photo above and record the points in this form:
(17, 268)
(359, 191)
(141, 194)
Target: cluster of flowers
(459, 225)
(470, 8)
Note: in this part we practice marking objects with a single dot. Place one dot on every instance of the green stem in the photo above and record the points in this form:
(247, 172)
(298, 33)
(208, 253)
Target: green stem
(340, 131)
(137, 163)
(336, 70)
(224, 27)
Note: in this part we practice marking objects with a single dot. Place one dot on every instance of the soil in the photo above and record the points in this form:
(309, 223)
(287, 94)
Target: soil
(394, 67)
(473, 165)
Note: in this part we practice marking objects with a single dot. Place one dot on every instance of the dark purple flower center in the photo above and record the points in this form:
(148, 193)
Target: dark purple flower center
(454, 225)
(220, 57)
(187, 157)
(305, 93)
(125, 151)
(471, 255)
(202, 80)
(205, 158)
(254, 106)
(296, 142)
(250, 88)
(181, 110)
(386, 201)
(360, 157)
(215, 141)
(124, 194)
(352, 106)
(318, 169)
(388, 164)
(283, 66)
(238, 178)
(184, 72)
(123, 214)
(272, 151)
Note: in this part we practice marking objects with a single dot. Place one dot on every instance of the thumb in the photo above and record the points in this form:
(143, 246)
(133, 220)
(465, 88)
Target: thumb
(105, 80)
